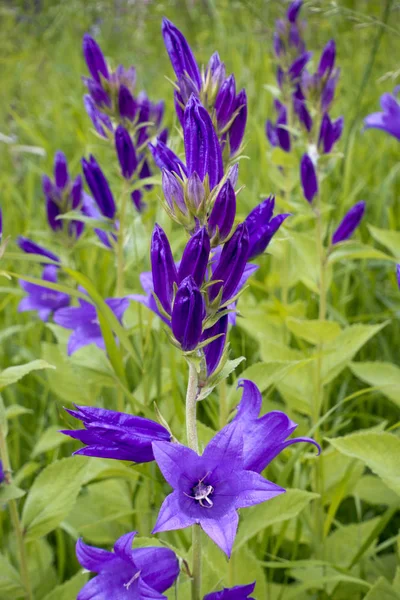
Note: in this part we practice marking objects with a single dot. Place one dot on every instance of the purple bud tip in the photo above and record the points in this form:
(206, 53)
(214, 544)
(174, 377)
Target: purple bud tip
(349, 224)
(327, 60)
(60, 170)
(162, 267)
(180, 54)
(294, 10)
(125, 151)
(187, 314)
(308, 178)
(223, 212)
(398, 275)
(195, 257)
(94, 58)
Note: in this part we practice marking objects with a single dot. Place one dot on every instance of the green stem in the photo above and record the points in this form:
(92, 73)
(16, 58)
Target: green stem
(193, 442)
(120, 244)
(19, 534)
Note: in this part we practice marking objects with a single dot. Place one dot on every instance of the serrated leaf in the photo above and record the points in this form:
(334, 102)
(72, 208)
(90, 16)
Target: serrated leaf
(52, 496)
(14, 374)
(69, 589)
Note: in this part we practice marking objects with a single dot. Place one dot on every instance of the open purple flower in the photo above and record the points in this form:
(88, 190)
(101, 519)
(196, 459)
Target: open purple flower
(389, 119)
(42, 299)
(239, 592)
(111, 434)
(84, 321)
(263, 437)
(209, 489)
(139, 574)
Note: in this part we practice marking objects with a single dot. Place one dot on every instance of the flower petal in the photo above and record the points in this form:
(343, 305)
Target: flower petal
(171, 516)
(222, 531)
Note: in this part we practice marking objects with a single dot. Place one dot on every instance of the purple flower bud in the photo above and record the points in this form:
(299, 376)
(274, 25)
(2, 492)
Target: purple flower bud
(236, 131)
(53, 211)
(99, 187)
(349, 223)
(328, 93)
(163, 268)
(173, 191)
(76, 192)
(295, 38)
(301, 110)
(217, 69)
(271, 133)
(195, 257)
(187, 314)
(294, 10)
(224, 103)
(278, 45)
(195, 190)
(223, 212)
(60, 170)
(137, 199)
(308, 178)
(231, 264)
(233, 174)
(282, 133)
(94, 58)
(298, 65)
(337, 129)
(166, 159)
(180, 54)
(239, 592)
(163, 136)
(99, 120)
(398, 275)
(280, 76)
(98, 94)
(32, 248)
(213, 351)
(327, 60)
(262, 226)
(203, 152)
(2, 474)
(127, 105)
(125, 151)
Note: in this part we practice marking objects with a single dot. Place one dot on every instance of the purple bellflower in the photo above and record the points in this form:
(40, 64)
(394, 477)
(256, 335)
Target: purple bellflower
(83, 319)
(231, 264)
(308, 178)
(349, 223)
(195, 257)
(180, 54)
(293, 10)
(2, 473)
(222, 216)
(187, 314)
(329, 133)
(263, 437)
(214, 350)
(398, 275)
(163, 268)
(209, 489)
(42, 299)
(110, 434)
(134, 574)
(239, 592)
(126, 152)
(31, 247)
(389, 119)
(262, 226)
(99, 187)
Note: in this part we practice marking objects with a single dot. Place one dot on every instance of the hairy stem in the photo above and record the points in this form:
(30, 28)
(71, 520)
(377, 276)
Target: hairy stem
(12, 504)
(193, 442)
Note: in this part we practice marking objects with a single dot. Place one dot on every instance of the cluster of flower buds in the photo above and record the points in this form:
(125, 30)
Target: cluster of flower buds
(216, 92)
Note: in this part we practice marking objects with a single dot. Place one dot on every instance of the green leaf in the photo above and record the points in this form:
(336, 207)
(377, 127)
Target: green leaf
(388, 238)
(16, 410)
(379, 451)
(383, 375)
(356, 251)
(10, 583)
(53, 495)
(382, 590)
(281, 508)
(50, 439)
(227, 369)
(372, 490)
(69, 589)
(14, 374)
(313, 331)
(10, 492)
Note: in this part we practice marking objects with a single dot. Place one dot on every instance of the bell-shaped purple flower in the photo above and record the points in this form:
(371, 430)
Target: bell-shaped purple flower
(239, 592)
(389, 119)
(180, 54)
(327, 61)
(231, 264)
(99, 186)
(126, 152)
(94, 58)
(224, 103)
(214, 350)
(173, 191)
(223, 212)
(142, 573)
(166, 159)
(42, 299)
(110, 434)
(308, 178)
(195, 257)
(349, 223)
(237, 129)
(262, 226)
(263, 437)
(30, 247)
(163, 268)
(209, 489)
(187, 314)
(202, 149)
(293, 10)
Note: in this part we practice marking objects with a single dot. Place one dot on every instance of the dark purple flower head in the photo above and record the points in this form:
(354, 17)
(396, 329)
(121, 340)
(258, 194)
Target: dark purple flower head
(202, 149)
(110, 434)
(99, 187)
(327, 61)
(42, 299)
(32, 248)
(187, 314)
(180, 54)
(195, 257)
(330, 132)
(214, 350)
(293, 10)
(237, 129)
(208, 489)
(140, 574)
(349, 223)
(231, 264)
(389, 119)
(163, 268)
(127, 105)
(84, 322)
(262, 226)
(60, 169)
(239, 592)
(125, 152)
(225, 101)
(283, 135)
(222, 216)
(94, 58)
(308, 178)
(263, 437)
(298, 65)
